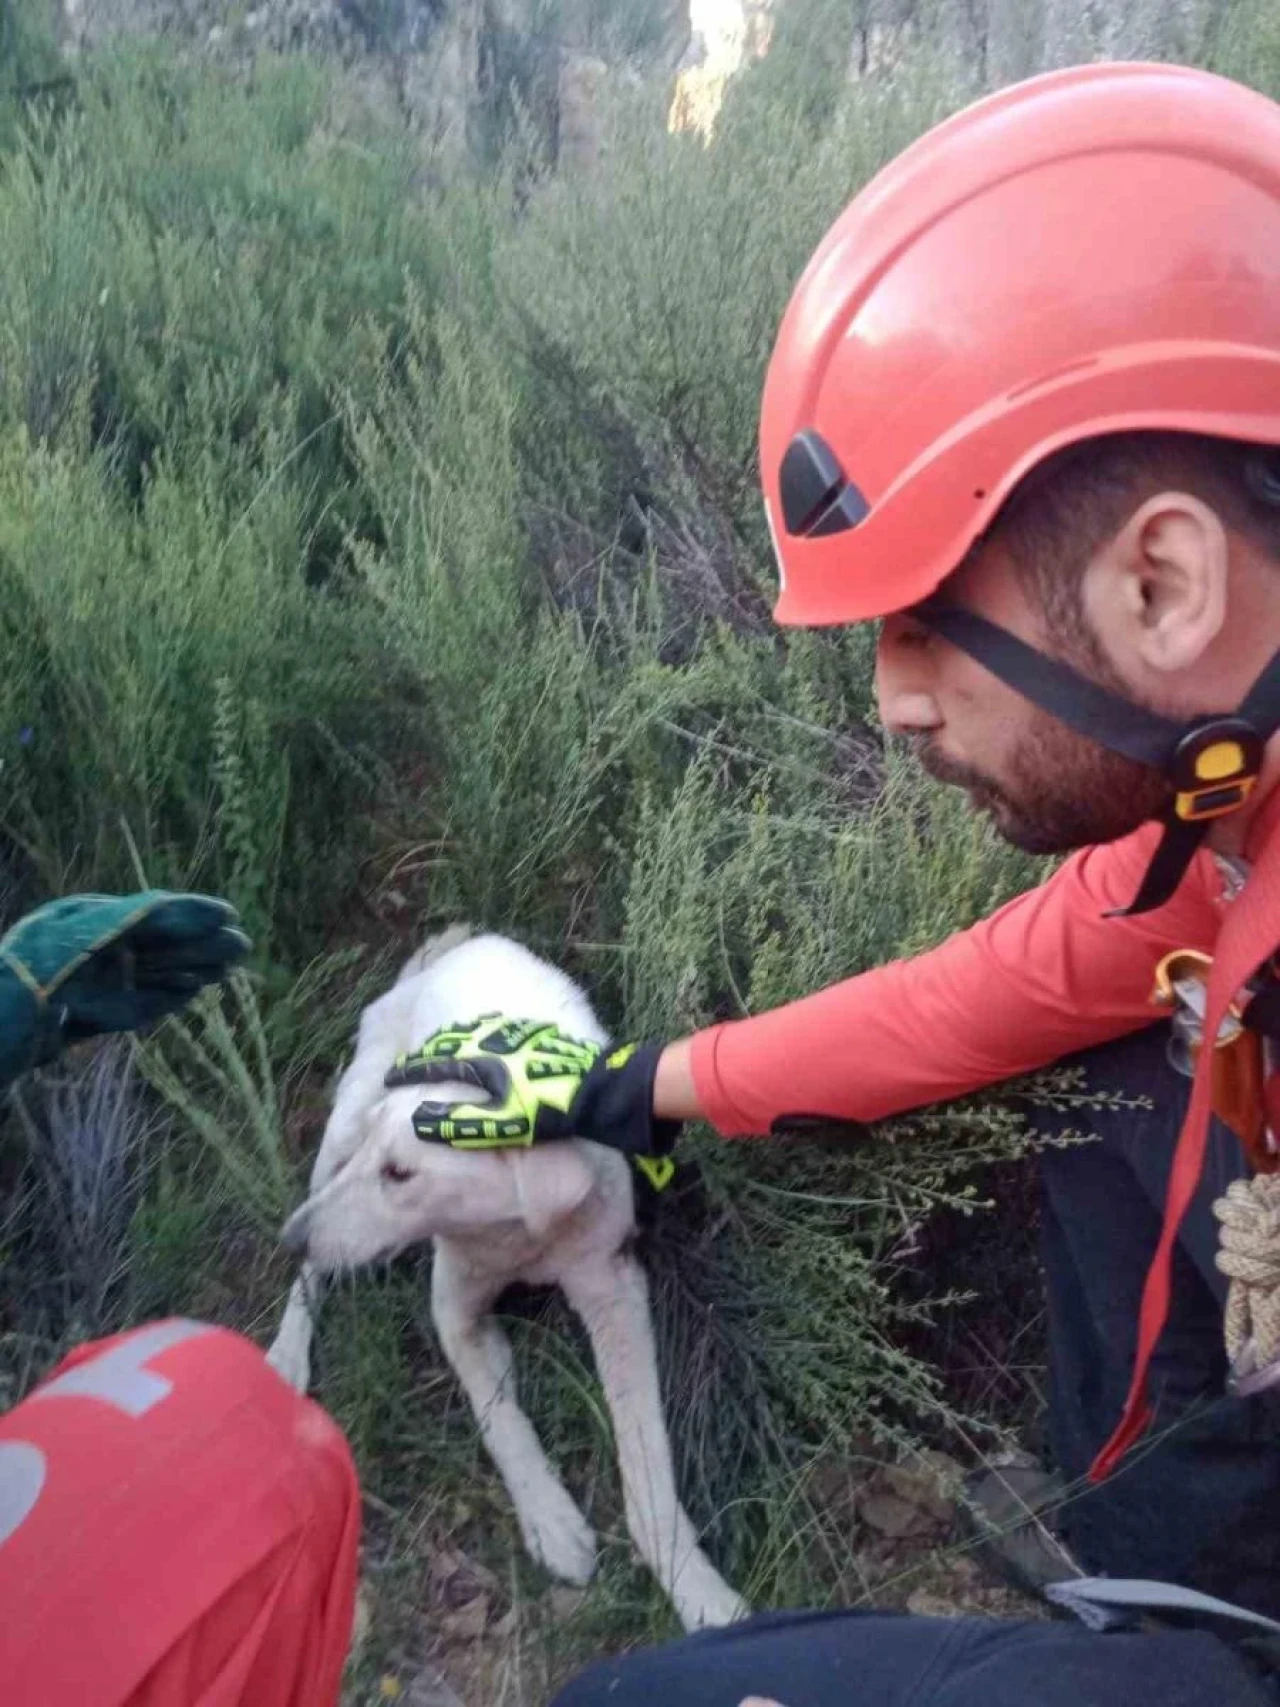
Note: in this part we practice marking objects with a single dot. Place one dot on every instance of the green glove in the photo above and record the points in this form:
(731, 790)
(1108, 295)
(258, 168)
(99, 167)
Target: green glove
(536, 1084)
(95, 963)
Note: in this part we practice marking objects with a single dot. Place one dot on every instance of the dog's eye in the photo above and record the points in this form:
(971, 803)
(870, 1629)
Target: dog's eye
(394, 1174)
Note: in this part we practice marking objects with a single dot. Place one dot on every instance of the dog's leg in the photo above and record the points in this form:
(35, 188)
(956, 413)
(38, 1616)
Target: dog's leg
(612, 1297)
(358, 1089)
(554, 1530)
(290, 1352)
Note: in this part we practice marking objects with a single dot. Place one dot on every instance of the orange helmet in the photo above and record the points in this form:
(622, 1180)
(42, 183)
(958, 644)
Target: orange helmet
(1093, 251)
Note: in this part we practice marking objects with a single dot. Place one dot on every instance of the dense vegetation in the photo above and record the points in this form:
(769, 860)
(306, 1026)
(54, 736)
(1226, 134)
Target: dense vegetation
(380, 546)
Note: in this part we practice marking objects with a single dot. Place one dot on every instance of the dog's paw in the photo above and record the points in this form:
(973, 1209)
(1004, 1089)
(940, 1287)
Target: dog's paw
(290, 1357)
(560, 1538)
(703, 1598)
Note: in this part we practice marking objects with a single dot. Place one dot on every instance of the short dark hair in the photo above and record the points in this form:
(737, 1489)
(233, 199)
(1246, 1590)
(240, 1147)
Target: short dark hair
(1078, 498)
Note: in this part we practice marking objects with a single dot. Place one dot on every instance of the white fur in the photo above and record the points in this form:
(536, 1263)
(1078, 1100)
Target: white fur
(561, 1214)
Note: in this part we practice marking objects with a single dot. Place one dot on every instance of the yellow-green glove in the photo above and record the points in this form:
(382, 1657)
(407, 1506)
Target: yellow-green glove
(536, 1084)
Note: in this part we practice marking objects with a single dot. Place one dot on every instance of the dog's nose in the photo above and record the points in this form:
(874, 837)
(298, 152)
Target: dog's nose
(296, 1231)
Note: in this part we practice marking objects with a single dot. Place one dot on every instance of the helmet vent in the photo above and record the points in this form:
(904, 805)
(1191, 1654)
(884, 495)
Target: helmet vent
(816, 498)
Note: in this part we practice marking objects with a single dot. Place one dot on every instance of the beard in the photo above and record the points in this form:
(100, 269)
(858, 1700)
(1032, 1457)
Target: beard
(1059, 791)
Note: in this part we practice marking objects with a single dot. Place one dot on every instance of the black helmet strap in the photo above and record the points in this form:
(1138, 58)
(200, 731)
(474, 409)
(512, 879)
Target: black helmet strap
(1212, 763)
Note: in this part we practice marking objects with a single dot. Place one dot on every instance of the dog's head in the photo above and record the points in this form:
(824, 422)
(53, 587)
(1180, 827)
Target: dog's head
(398, 1189)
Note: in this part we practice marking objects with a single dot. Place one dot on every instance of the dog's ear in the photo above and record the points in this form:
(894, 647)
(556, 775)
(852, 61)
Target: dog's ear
(551, 1181)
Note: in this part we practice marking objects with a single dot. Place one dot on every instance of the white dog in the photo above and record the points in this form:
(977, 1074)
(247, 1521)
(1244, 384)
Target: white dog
(559, 1214)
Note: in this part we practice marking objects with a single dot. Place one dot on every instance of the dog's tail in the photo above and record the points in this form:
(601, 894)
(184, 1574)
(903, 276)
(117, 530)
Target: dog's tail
(434, 948)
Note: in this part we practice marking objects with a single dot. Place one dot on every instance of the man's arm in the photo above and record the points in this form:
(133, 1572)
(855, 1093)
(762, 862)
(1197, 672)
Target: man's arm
(675, 1090)
(1046, 975)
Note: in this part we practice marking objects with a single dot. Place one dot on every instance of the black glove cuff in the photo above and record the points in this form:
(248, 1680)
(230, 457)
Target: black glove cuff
(615, 1106)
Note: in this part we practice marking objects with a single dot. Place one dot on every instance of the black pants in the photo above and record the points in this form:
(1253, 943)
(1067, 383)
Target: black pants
(1198, 1501)
(851, 1659)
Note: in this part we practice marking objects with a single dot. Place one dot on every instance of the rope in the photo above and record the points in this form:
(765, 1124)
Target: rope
(1249, 1255)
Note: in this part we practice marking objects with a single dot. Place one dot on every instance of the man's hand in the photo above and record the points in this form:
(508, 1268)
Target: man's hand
(97, 963)
(535, 1083)
(528, 1075)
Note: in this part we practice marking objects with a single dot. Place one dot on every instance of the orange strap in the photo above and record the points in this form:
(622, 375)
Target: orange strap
(1249, 935)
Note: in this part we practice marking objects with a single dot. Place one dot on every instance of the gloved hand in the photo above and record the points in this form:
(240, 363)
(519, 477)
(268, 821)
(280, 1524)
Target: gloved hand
(536, 1084)
(95, 963)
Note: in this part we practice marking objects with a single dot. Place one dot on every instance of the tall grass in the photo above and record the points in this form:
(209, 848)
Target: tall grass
(380, 545)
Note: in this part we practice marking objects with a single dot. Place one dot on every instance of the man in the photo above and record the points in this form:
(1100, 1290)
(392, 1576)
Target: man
(1024, 409)
(177, 1526)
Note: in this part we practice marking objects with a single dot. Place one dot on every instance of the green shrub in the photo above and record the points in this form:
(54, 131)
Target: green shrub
(381, 544)
(32, 77)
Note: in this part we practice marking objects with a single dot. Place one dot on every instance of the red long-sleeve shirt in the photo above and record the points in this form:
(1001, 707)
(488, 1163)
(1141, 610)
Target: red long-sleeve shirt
(1044, 976)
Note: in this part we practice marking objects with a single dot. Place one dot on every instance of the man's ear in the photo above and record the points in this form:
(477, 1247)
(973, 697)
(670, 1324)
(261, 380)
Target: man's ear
(1157, 593)
(551, 1181)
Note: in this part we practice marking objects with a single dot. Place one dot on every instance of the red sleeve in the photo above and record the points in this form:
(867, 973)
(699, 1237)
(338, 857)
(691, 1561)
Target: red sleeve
(1044, 976)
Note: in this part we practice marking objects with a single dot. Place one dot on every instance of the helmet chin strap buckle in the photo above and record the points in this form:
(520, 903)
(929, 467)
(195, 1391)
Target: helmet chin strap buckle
(1215, 768)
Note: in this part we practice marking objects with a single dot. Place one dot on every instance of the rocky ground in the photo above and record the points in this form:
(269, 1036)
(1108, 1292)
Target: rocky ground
(478, 1644)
